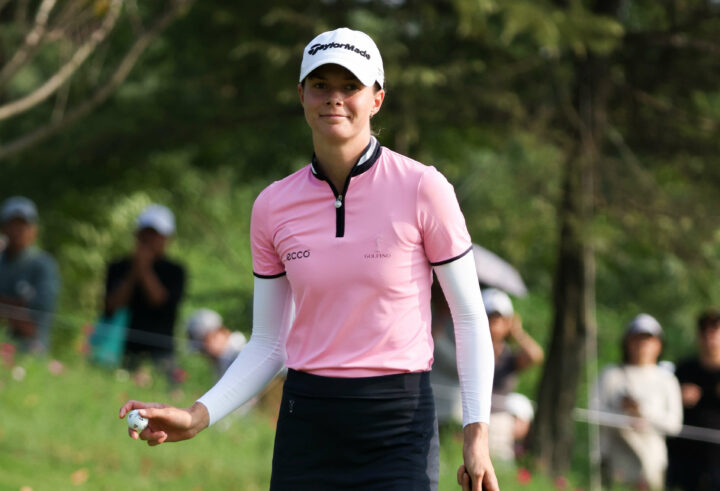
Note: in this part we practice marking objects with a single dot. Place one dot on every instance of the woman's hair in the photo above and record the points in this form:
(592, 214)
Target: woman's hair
(626, 354)
(708, 318)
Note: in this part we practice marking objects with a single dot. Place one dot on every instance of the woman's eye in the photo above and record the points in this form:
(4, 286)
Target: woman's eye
(319, 85)
(351, 87)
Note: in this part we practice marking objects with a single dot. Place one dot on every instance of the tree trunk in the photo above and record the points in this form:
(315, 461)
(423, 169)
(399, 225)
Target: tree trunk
(573, 291)
(552, 435)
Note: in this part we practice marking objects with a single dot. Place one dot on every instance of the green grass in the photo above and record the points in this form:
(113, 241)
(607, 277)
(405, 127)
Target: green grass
(62, 432)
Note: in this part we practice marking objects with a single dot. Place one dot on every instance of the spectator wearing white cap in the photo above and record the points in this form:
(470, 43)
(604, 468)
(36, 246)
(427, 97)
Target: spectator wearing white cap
(505, 326)
(207, 333)
(29, 278)
(151, 286)
(649, 396)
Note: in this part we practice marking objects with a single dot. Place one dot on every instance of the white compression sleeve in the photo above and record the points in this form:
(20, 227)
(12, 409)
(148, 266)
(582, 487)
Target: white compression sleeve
(262, 357)
(473, 345)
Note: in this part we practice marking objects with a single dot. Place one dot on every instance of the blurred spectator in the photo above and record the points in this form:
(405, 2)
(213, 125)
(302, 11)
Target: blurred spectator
(695, 465)
(506, 325)
(508, 428)
(208, 334)
(511, 413)
(649, 395)
(151, 287)
(29, 278)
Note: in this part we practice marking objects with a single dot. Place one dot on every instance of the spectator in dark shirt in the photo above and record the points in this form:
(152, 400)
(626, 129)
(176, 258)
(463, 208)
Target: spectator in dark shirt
(151, 287)
(695, 465)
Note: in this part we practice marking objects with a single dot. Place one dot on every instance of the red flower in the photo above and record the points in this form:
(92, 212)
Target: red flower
(7, 354)
(524, 476)
(561, 482)
(179, 375)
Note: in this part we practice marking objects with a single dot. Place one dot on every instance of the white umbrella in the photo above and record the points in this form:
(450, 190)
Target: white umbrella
(494, 271)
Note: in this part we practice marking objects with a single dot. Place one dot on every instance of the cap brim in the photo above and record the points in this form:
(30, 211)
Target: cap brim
(366, 79)
(631, 332)
(23, 216)
(160, 230)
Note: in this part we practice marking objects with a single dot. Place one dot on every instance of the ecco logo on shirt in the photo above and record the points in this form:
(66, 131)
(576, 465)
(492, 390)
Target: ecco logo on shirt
(297, 255)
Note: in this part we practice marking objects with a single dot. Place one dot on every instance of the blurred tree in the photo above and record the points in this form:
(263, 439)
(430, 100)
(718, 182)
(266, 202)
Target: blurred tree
(70, 34)
(590, 115)
(614, 98)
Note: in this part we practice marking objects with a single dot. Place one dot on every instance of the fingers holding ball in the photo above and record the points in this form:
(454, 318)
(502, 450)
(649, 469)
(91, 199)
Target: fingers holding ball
(135, 421)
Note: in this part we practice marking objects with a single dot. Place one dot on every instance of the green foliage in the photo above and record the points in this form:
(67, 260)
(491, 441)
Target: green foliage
(541, 24)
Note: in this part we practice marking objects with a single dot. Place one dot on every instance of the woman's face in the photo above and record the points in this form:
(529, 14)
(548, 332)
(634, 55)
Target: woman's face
(499, 327)
(710, 339)
(337, 106)
(643, 349)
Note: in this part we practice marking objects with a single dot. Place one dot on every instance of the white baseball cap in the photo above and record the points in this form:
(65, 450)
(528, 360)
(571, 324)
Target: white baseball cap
(353, 50)
(644, 324)
(158, 218)
(19, 207)
(497, 301)
(201, 323)
(519, 406)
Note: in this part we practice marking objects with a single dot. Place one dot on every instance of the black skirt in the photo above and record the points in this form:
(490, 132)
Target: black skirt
(375, 433)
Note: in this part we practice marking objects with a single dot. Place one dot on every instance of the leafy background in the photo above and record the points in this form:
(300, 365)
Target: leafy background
(482, 89)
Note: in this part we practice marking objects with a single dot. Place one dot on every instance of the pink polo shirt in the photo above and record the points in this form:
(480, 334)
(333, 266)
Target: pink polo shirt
(359, 261)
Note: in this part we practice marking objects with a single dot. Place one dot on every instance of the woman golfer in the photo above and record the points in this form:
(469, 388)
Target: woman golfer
(348, 244)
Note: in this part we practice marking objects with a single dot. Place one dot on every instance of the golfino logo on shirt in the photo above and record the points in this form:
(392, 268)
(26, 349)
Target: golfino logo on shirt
(291, 256)
(378, 253)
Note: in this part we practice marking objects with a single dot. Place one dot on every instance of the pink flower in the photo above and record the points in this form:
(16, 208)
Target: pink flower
(561, 482)
(7, 354)
(179, 375)
(524, 476)
(55, 367)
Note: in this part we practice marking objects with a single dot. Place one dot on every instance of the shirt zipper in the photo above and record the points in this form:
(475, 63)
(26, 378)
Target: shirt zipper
(339, 204)
(341, 198)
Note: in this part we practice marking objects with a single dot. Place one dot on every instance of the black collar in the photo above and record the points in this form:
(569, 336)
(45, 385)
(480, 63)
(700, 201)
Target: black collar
(369, 156)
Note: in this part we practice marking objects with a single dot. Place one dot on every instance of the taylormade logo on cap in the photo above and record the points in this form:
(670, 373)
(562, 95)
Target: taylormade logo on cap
(350, 49)
(317, 47)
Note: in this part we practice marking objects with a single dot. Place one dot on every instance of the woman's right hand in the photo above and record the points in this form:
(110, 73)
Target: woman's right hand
(167, 423)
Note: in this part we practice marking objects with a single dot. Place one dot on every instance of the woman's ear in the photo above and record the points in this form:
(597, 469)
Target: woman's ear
(301, 94)
(378, 99)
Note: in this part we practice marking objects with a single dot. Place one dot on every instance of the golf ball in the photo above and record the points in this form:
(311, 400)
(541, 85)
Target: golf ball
(135, 421)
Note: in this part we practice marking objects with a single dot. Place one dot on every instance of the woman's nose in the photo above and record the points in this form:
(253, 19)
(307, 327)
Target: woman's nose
(334, 98)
